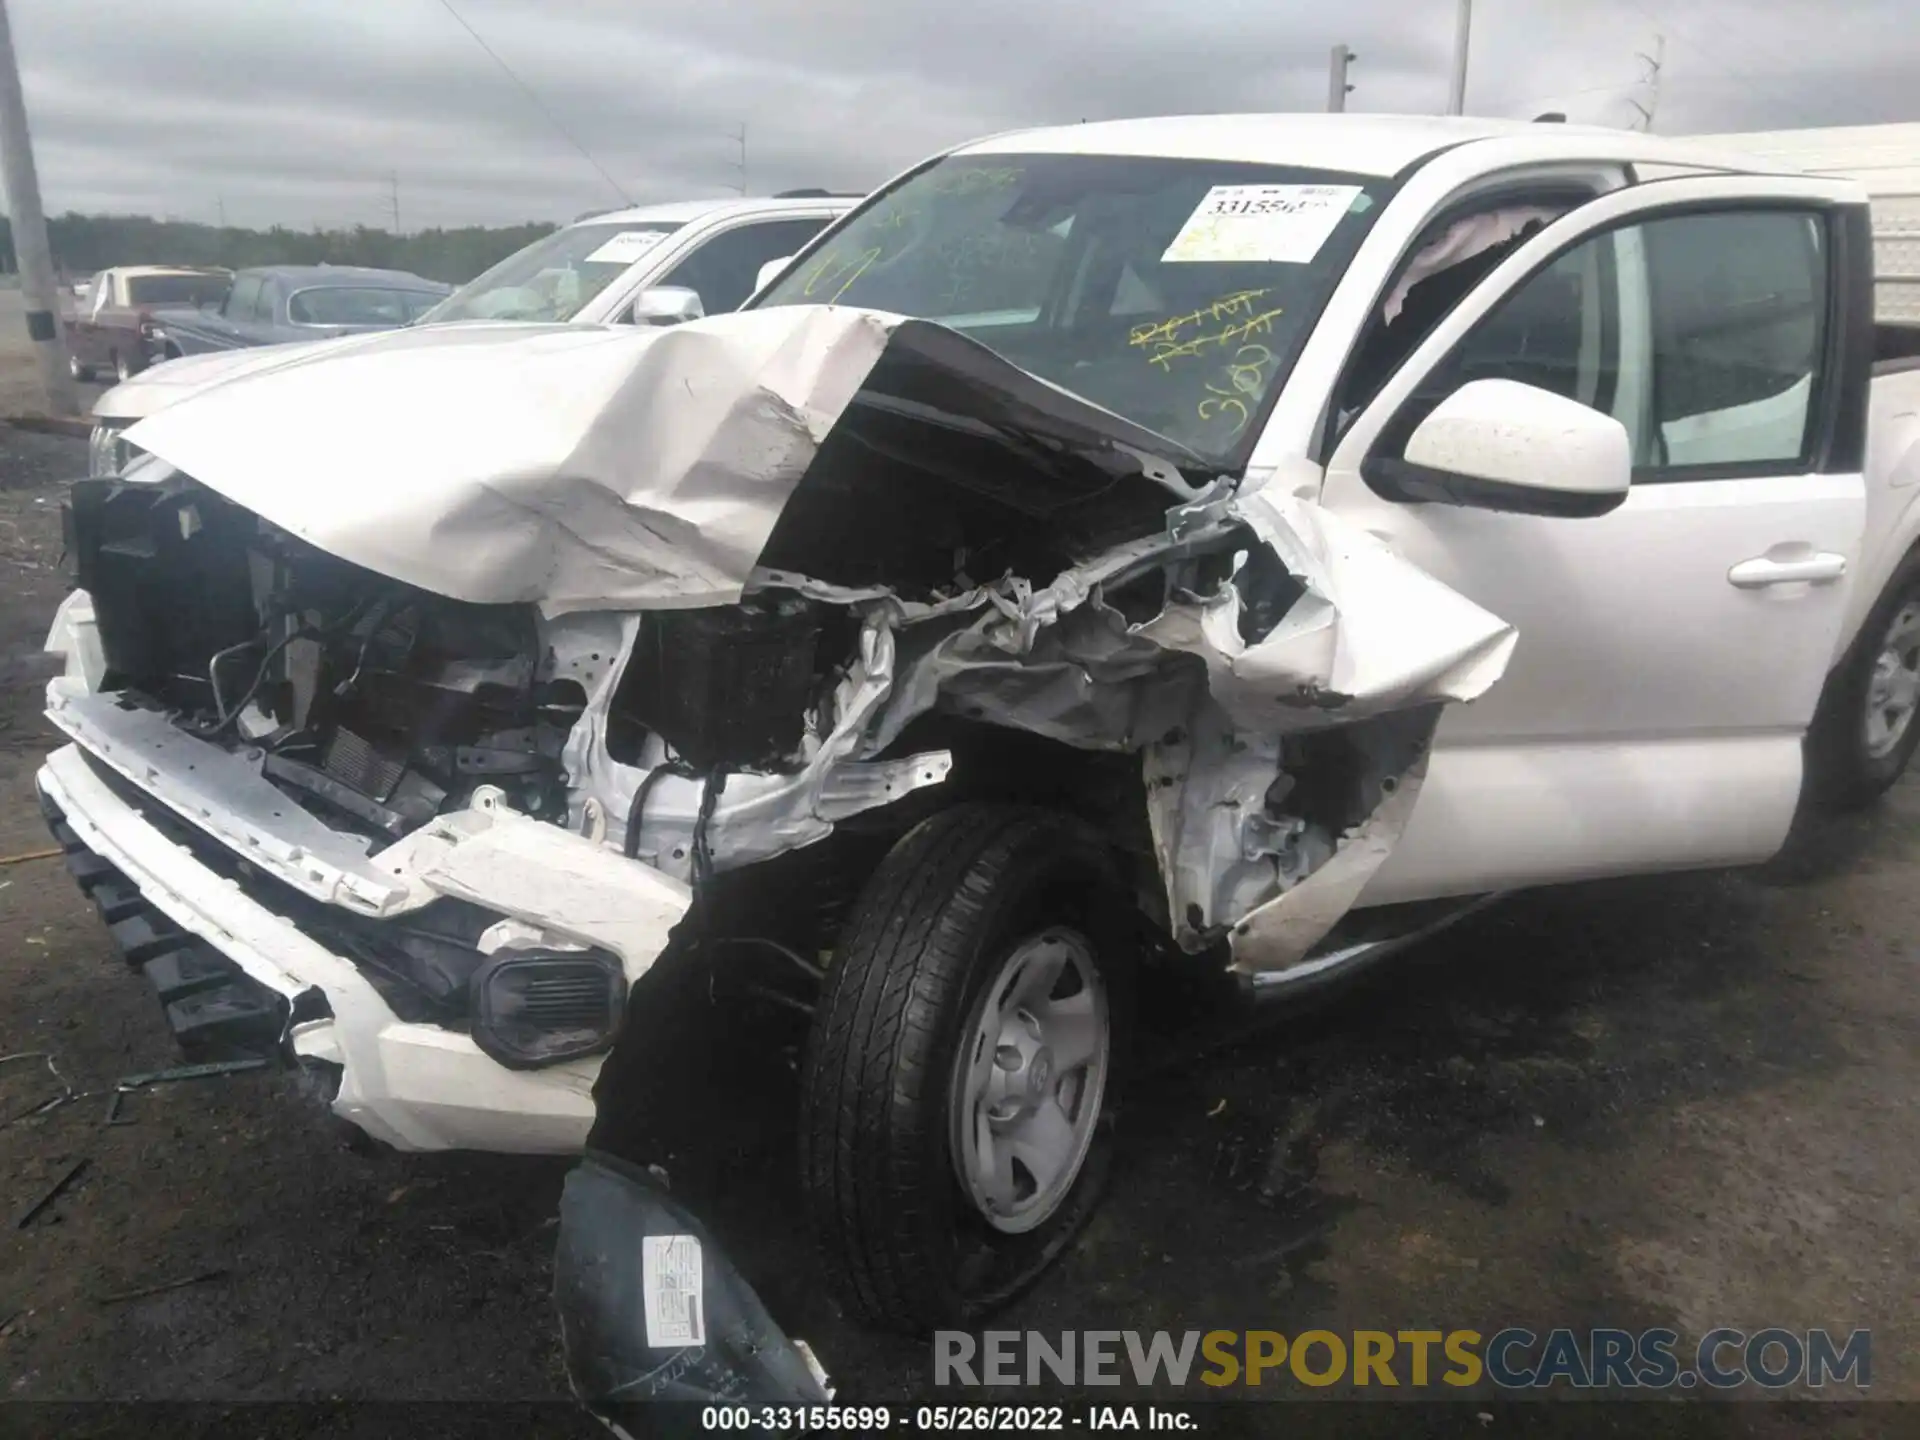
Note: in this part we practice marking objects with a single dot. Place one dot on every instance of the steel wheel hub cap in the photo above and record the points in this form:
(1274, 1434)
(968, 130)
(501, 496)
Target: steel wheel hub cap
(1029, 1079)
(1893, 690)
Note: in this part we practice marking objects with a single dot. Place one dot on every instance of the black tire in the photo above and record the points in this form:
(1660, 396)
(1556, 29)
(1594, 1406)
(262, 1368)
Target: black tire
(123, 368)
(80, 372)
(1842, 773)
(903, 1244)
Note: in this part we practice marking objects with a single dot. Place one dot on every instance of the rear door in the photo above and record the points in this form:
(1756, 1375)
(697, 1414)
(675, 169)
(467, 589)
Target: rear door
(1670, 653)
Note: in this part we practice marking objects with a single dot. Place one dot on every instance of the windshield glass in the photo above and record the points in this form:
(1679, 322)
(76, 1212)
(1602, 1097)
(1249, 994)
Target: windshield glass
(553, 278)
(175, 289)
(1174, 292)
(358, 305)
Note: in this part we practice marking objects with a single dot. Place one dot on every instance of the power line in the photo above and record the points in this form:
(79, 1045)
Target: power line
(741, 165)
(1655, 62)
(533, 95)
(1614, 88)
(1771, 82)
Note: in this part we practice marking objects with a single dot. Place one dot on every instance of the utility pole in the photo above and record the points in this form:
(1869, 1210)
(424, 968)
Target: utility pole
(38, 286)
(1655, 63)
(1337, 87)
(220, 202)
(393, 181)
(1462, 31)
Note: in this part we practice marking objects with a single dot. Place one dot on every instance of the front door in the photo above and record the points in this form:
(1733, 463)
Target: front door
(1670, 653)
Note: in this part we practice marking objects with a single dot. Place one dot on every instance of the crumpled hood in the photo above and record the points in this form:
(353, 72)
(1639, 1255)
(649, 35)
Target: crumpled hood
(592, 467)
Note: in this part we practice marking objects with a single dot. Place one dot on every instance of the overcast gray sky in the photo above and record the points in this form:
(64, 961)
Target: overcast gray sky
(297, 111)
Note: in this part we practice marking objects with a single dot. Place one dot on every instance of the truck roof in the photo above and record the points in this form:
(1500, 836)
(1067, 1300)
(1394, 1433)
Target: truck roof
(685, 212)
(1379, 145)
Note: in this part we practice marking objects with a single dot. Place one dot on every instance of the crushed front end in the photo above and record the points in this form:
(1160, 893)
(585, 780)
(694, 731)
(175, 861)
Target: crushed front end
(439, 760)
(437, 738)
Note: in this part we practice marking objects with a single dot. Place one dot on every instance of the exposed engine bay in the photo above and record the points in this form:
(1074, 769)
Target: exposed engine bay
(373, 703)
(928, 578)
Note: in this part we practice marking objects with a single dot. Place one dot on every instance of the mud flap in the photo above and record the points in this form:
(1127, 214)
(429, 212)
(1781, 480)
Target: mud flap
(654, 1319)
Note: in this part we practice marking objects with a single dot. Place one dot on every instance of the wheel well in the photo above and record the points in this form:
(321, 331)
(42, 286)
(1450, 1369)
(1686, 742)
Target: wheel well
(799, 898)
(1107, 789)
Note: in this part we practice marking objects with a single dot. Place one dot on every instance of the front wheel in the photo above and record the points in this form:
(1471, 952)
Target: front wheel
(962, 1073)
(123, 369)
(1867, 729)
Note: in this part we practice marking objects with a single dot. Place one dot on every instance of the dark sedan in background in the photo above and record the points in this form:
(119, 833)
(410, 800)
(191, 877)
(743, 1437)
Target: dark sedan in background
(275, 304)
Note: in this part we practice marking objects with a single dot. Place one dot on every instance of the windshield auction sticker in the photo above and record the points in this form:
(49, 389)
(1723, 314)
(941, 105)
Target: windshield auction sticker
(626, 247)
(1285, 224)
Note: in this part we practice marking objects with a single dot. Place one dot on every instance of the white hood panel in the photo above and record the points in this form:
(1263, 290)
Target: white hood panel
(573, 466)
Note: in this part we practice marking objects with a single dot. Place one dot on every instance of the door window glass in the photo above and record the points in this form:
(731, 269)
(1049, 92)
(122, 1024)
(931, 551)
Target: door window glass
(723, 270)
(1702, 334)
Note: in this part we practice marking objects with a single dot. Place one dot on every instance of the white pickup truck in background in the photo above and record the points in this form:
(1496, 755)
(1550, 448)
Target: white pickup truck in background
(652, 264)
(1080, 559)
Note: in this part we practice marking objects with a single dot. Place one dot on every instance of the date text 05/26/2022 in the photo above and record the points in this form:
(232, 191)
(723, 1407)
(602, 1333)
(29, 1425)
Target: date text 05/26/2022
(977, 1419)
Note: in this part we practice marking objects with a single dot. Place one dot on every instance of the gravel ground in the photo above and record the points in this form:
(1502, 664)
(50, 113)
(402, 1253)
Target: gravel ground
(1685, 1100)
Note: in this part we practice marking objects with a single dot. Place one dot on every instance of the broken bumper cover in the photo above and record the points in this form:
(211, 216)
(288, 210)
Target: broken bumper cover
(414, 1086)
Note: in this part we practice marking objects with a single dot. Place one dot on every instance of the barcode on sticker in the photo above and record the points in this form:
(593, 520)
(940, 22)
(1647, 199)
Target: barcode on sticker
(670, 1285)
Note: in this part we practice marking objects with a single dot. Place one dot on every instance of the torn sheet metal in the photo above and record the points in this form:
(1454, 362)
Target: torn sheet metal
(1370, 634)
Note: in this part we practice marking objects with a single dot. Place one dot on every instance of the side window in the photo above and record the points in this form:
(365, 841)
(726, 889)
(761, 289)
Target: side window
(1453, 256)
(1702, 334)
(722, 271)
(244, 298)
(267, 304)
(1739, 309)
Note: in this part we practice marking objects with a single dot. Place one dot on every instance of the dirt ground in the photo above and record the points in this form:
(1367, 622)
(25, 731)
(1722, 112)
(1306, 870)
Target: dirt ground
(1685, 1100)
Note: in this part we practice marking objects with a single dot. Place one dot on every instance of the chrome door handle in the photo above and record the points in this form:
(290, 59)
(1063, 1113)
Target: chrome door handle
(1822, 568)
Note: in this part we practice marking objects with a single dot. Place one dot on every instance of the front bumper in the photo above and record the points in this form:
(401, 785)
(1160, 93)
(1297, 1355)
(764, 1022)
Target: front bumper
(415, 1086)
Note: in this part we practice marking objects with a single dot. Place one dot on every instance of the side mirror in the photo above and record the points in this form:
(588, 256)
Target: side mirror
(1501, 445)
(667, 305)
(770, 272)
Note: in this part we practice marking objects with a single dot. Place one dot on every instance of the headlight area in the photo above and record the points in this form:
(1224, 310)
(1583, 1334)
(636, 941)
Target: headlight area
(452, 964)
(107, 450)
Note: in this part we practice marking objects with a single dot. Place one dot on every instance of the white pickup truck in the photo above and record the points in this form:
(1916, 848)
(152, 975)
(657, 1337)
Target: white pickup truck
(1123, 545)
(651, 264)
